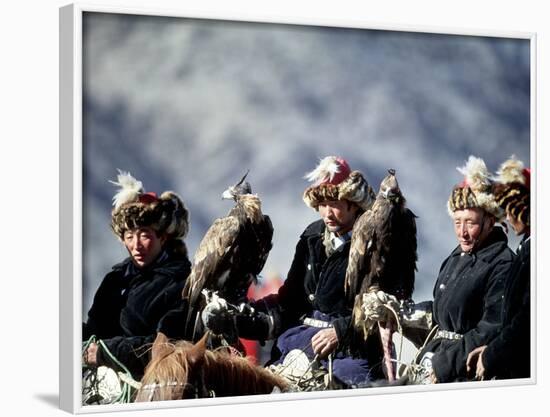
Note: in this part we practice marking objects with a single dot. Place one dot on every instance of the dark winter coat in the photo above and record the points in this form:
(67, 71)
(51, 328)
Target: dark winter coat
(508, 356)
(129, 304)
(468, 301)
(314, 282)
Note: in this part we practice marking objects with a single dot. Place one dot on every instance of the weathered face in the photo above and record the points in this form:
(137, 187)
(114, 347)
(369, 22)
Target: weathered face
(143, 245)
(517, 225)
(472, 226)
(339, 216)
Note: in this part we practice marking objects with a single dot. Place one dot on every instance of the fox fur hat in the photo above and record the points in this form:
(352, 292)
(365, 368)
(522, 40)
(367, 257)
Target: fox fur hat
(475, 191)
(512, 189)
(134, 208)
(334, 180)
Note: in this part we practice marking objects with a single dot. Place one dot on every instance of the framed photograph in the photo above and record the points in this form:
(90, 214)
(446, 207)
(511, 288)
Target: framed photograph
(161, 113)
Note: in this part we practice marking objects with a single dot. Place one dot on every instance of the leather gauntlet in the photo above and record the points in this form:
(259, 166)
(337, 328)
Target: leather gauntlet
(419, 316)
(417, 321)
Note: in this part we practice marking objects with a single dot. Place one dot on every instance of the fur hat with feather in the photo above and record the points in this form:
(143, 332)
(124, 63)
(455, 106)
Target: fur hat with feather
(512, 189)
(475, 191)
(134, 208)
(333, 180)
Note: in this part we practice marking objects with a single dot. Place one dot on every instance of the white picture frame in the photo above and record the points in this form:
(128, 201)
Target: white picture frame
(71, 204)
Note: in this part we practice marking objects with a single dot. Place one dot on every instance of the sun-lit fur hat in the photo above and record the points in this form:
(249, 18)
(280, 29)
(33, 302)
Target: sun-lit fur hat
(134, 208)
(334, 180)
(475, 191)
(512, 189)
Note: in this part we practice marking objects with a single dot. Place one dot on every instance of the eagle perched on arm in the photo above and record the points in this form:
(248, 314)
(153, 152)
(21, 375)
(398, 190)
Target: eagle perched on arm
(383, 254)
(231, 254)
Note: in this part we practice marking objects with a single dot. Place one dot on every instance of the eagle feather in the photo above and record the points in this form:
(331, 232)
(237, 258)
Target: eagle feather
(383, 250)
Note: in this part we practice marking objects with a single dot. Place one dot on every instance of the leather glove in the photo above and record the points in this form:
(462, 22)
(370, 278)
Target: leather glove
(254, 324)
(217, 316)
(417, 322)
(420, 317)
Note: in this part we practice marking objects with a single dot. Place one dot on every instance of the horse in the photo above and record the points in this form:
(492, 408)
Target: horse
(183, 370)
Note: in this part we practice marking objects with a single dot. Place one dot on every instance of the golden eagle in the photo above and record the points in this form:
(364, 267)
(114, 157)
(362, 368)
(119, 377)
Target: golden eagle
(231, 254)
(382, 254)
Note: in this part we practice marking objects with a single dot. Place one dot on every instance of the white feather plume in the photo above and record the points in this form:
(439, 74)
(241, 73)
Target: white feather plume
(326, 169)
(129, 191)
(511, 171)
(476, 173)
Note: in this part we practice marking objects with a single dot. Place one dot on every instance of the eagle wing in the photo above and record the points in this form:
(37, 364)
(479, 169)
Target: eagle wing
(362, 244)
(263, 239)
(250, 252)
(367, 263)
(211, 257)
(402, 263)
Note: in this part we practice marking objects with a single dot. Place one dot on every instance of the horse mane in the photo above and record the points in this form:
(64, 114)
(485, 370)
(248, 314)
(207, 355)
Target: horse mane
(228, 375)
(166, 374)
(182, 370)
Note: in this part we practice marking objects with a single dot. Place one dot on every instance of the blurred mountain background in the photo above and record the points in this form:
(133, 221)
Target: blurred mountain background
(189, 105)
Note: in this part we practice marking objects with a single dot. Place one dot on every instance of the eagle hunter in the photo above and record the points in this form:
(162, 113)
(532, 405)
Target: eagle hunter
(231, 254)
(382, 256)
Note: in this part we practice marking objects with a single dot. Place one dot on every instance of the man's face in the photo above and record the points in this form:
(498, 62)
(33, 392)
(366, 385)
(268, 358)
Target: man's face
(143, 245)
(339, 216)
(472, 226)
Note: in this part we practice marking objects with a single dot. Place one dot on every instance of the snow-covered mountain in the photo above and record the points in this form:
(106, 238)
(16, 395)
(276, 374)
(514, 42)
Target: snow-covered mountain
(189, 105)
